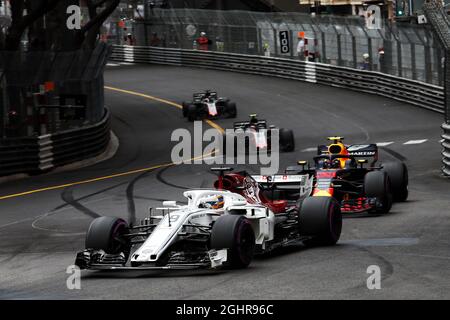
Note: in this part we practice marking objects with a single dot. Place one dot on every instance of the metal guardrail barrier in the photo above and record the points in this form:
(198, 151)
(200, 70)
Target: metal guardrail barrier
(42, 153)
(410, 91)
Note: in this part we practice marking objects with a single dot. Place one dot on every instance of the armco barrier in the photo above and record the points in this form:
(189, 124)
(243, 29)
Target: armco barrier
(413, 92)
(42, 153)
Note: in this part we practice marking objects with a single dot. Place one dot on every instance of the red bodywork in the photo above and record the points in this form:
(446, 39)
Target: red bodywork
(324, 187)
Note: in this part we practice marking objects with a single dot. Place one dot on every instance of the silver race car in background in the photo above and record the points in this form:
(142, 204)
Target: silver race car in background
(258, 136)
(208, 105)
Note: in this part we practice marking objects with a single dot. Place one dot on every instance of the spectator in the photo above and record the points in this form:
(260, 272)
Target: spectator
(365, 64)
(301, 49)
(219, 44)
(266, 49)
(129, 39)
(203, 42)
(155, 41)
(313, 53)
(381, 62)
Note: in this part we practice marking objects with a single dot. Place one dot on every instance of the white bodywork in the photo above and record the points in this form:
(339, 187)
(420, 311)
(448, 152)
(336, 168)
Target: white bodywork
(212, 109)
(259, 136)
(173, 223)
(304, 181)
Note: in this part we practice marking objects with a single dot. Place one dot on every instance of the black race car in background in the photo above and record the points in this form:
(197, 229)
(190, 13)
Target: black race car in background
(258, 135)
(207, 105)
(344, 173)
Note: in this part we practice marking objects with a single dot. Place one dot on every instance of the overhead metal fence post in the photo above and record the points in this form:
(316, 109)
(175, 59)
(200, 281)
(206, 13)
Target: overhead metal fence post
(438, 18)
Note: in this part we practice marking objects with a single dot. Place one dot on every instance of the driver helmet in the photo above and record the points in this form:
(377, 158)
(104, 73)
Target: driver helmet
(202, 34)
(213, 202)
(253, 119)
(336, 163)
(324, 164)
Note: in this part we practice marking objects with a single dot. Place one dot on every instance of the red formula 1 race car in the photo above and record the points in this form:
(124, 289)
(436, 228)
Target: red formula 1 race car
(348, 173)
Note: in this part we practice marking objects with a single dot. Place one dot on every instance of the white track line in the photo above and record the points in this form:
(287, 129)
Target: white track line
(384, 144)
(310, 149)
(416, 141)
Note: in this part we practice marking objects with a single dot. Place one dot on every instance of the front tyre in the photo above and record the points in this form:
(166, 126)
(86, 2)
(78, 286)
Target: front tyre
(287, 142)
(234, 233)
(106, 233)
(320, 219)
(231, 110)
(192, 113)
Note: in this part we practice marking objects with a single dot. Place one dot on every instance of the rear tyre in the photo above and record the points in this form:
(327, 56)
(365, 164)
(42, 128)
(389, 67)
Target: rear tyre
(377, 185)
(398, 175)
(105, 233)
(185, 109)
(192, 113)
(287, 142)
(231, 110)
(320, 218)
(235, 233)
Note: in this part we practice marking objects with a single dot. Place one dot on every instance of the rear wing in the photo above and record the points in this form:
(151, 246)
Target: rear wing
(301, 183)
(199, 96)
(355, 150)
(242, 124)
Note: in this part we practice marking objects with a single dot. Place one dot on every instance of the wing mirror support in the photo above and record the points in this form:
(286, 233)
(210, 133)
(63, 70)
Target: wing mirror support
(361, 162)
(303, 163)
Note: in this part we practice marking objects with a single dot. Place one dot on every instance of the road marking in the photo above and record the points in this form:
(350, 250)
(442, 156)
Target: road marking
(385, 242)
(384, 144)
(310, 149)
(174, 104)
(416, 141)
(122, 174)
(113, 65)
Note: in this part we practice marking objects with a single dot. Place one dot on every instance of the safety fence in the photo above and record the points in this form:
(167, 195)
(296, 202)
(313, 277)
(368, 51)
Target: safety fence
(410, 91)
(42, 153)
(400, 49)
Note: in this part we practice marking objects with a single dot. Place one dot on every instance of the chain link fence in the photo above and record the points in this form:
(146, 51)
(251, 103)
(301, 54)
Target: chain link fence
(48, 92)
(406, 50)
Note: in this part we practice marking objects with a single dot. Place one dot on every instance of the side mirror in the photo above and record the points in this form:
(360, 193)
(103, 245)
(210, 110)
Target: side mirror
(169, 203)
(361, 162)
(303, 163)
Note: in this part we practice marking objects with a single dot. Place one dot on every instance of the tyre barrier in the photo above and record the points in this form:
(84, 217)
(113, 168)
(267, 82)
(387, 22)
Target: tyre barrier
(34, 155)
(414, 92)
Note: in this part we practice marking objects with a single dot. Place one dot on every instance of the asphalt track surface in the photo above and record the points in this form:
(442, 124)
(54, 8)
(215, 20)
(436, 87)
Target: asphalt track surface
(41, 232)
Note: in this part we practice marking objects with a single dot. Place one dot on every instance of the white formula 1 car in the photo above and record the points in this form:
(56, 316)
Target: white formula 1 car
(217, 228)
